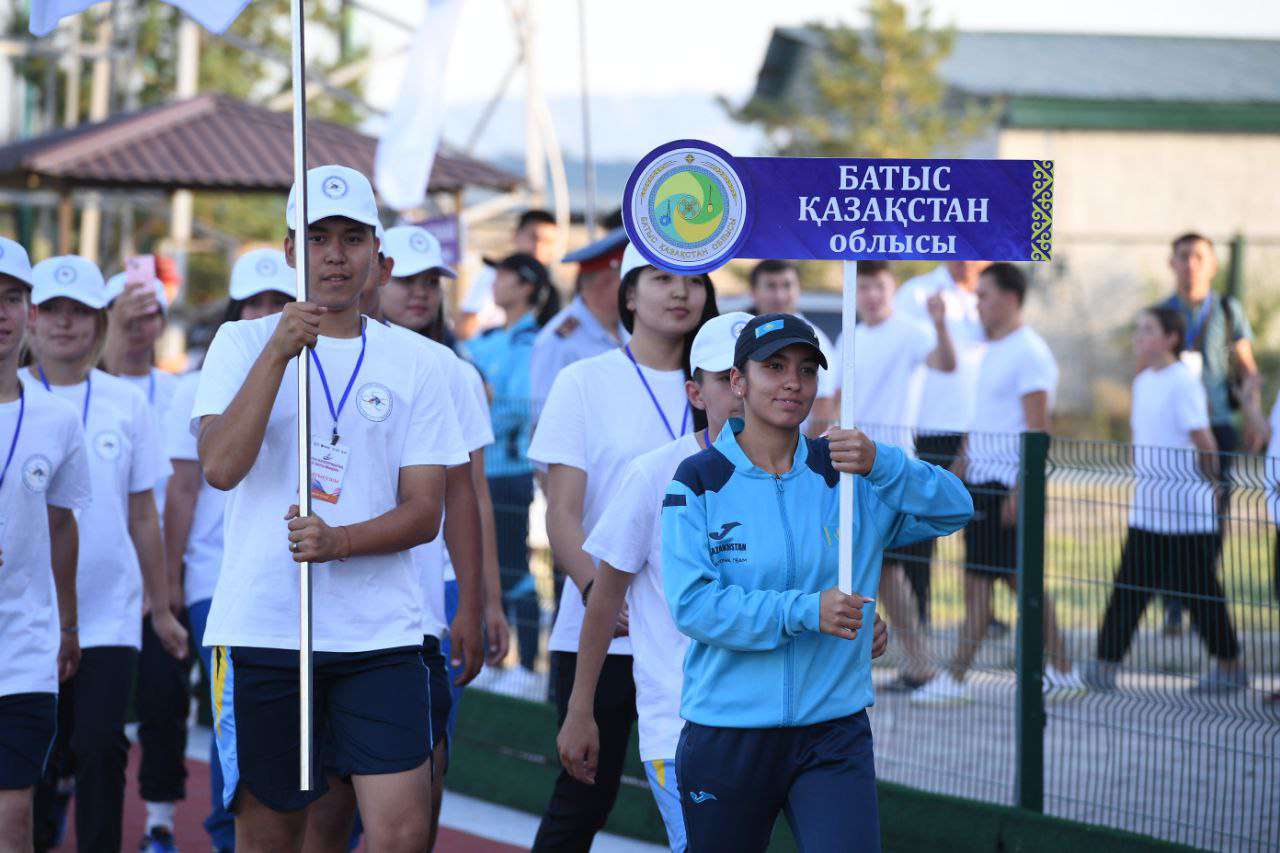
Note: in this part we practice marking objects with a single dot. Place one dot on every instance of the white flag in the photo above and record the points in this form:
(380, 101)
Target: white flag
(407, 146)
(214, 15)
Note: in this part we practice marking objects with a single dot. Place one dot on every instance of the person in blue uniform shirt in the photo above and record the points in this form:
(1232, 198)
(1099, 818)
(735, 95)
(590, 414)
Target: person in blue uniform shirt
(777, 678)
(589, 324)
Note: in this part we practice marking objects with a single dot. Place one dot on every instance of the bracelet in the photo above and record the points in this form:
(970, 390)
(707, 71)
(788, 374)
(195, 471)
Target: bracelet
(71, 629)
(346, 534)
(586, 590)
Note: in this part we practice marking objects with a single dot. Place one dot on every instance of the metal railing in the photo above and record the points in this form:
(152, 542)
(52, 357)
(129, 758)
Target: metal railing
(1161, 742)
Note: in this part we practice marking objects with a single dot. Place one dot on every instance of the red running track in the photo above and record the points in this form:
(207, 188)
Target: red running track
(189, 831)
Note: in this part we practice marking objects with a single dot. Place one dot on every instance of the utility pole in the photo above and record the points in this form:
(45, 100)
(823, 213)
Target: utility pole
(182, 205)
(99, 109)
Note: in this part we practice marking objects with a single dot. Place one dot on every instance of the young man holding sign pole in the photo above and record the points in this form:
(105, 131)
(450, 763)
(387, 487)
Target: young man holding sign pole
(383, 437)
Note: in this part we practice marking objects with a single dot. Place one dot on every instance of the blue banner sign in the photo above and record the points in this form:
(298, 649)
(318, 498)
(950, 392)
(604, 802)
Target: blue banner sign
(691, 206)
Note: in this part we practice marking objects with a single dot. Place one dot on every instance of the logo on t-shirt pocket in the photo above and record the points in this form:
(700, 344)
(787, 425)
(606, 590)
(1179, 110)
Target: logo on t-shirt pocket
(36, 473)
(108, 444)
(374, 401)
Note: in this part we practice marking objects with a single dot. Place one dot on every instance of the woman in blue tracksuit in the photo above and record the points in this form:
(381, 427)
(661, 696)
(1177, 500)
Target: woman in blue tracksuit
(778, 676)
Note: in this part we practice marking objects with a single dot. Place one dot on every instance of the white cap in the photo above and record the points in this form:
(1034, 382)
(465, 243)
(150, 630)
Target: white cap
(115, 287)
(414, 249)
(335, 191)
(712, 348)
(261, 270)
(632, 260)
(14, 261)
(71, 276)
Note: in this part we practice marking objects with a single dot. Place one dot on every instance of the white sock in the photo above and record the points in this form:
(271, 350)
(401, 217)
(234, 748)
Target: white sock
(160, 815)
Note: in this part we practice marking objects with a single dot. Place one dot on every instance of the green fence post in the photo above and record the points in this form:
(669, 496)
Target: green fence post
(1030, 713)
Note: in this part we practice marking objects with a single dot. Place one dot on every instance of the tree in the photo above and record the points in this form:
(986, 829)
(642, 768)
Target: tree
(873, 92)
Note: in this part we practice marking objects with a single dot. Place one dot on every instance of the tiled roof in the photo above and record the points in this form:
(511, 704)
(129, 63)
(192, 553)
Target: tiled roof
(211, 142)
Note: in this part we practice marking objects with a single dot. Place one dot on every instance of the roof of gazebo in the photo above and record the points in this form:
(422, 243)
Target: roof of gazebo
(211, 142)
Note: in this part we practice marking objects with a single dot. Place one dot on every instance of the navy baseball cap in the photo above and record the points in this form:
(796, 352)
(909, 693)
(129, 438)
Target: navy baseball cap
(769, 333)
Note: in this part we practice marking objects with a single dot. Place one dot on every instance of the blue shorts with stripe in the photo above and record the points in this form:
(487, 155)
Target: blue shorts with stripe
(28, 722)
(439, 694)
(371, 716)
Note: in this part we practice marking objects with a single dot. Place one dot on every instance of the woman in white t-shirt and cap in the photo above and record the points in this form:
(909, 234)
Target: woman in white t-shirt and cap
(1172, 543)
(120, 545)
(262, 283)
(603, 412)
(136, 317)
(44, 479)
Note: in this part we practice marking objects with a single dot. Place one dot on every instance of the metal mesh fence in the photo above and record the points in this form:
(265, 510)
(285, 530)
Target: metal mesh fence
(1164, 736)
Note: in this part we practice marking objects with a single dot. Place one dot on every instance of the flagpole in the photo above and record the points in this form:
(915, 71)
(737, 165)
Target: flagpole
(848, 321)
(305, 770)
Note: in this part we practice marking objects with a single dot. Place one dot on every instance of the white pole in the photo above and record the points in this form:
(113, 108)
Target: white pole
(848, 321)
(306, 774)
(588, 162)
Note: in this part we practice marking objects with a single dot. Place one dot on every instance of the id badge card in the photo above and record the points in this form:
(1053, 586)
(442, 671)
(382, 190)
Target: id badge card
(1194, 360)
(328, 468)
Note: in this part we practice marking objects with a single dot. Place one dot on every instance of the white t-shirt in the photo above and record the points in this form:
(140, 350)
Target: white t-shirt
(1170, 495)
(395, 418)
(1018, 364)
(202, 558)
(597, 418)
(947, 399)
(628, 537)
(471, 404)
(889, 362)
(49, 468)
(159, 387)
(479, 301)
(126, 456)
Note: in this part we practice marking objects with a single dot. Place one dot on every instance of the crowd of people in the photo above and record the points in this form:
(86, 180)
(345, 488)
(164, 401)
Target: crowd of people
(689, 461)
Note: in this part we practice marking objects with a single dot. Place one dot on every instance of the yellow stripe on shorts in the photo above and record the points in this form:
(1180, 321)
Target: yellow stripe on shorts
(219, 682)
(660, 771)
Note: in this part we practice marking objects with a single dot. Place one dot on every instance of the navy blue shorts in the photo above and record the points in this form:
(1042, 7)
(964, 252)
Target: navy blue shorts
(735, 782)
(370, 717)
(438, 694)
(28, 722)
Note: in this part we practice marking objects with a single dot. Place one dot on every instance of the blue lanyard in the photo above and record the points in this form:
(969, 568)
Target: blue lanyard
(88, 391)
(684, 420)
(328, 398)
(151, 388)
(17, 431)
(1196, 325)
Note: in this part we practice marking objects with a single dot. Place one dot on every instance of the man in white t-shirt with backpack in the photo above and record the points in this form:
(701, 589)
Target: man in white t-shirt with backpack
(382, 436)
(1016, 384)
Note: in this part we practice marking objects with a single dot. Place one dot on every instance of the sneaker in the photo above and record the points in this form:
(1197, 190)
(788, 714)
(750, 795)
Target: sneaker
(942, 689)
(903, 684)
(1061, 685)
(1218, 680)
(1100, 675)
(158, 840)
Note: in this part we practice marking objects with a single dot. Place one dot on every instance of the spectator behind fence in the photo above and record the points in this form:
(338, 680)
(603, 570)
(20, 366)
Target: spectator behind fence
(891, 352)
(1273, 501)
(522, 289)
(1218, 348)
(1173, 520)
(775, 289)
(946, 401)
(1016, 383)
(537, 235)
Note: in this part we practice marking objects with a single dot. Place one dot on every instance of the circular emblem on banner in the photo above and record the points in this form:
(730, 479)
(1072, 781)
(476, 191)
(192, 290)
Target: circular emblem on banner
(686, 207)
(36, 473)
(108, 444)
(334, 187)
(418, 242)
(265, 267)
(65, 274)
(374, 401)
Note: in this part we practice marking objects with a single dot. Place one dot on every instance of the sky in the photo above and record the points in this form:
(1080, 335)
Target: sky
(662, 52)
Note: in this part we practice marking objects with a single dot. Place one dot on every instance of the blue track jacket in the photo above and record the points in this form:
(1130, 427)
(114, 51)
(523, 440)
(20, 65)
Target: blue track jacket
(746, 555)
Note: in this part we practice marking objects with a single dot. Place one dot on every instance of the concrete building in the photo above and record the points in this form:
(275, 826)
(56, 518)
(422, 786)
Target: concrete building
(1151, 137)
